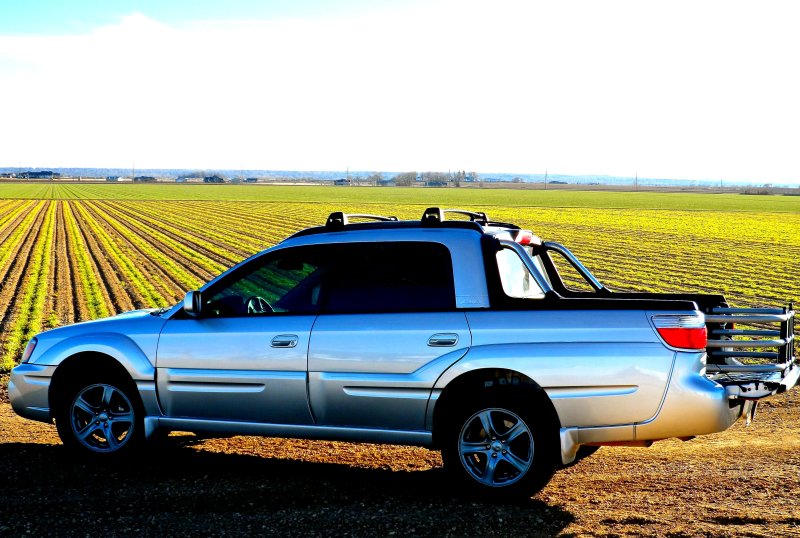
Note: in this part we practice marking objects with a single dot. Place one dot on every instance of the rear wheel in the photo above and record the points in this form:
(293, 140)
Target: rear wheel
(100, 418)
(503, 445)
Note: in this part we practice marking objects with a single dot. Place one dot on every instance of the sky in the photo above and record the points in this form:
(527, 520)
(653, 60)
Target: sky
(699, 89)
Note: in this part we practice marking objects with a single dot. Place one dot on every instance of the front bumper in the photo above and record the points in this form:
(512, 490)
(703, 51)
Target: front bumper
(28, 390)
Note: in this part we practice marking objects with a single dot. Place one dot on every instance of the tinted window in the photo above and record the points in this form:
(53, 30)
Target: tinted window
(390, 277)
(339, 278)
(286, 281)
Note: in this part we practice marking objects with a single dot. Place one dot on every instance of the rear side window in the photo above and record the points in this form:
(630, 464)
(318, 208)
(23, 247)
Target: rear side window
(517, 281)
(389, 277)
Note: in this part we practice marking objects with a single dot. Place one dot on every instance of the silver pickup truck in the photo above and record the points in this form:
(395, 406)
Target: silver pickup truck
(463, 335)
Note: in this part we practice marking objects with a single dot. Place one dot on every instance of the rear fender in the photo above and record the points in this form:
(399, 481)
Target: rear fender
(590, 384)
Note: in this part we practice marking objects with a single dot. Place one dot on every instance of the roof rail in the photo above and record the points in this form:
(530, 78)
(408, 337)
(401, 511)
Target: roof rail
(337, 219)
(434, 215)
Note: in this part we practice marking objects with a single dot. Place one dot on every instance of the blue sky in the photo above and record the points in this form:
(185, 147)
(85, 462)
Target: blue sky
(56, 17)
(667, 89)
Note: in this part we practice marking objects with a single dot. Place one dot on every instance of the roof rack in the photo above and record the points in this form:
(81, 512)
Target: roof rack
(435, 215)
(337, 219)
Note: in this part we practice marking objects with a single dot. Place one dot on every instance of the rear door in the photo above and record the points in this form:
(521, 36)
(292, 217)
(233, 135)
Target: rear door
(387, 329)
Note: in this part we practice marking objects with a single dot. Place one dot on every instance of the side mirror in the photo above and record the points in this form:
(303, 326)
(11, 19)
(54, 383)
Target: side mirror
(192, 303)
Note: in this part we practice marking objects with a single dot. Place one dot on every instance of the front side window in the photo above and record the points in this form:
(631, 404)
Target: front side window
(284, 282)
(517, 280)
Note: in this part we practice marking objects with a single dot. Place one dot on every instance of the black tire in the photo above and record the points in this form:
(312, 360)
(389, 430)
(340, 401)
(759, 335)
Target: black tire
(516, 458)
(101, 417)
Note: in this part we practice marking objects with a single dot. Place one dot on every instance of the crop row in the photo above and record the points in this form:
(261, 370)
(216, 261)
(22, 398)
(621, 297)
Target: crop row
(70, 260)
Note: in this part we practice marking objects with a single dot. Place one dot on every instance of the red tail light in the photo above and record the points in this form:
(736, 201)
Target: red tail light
(526, 237)
(682, 330)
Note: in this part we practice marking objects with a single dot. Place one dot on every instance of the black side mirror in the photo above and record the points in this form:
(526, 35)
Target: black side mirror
(192, 303)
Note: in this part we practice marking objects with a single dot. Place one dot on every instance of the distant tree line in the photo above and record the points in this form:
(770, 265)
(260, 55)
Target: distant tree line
(436, 179)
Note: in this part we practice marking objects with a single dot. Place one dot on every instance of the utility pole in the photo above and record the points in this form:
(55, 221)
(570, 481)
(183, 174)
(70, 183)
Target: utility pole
(636, 182)
(545, 180)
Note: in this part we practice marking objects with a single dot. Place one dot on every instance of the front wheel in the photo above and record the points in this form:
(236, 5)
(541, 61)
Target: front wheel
(502, 447)
(100, 418)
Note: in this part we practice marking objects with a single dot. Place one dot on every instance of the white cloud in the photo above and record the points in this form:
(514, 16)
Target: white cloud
(669, 89)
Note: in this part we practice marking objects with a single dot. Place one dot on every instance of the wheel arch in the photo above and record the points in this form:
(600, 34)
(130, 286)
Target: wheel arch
(488, 378)
(88, 363)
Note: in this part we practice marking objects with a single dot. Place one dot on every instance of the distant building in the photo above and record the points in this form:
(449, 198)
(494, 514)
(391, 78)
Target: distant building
(41, 174)
(214, 179)
(112, 178)
(251, 180)
(342, 182)
(144, 179)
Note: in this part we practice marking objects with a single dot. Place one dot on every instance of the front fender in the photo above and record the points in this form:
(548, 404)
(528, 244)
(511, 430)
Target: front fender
(117, 346)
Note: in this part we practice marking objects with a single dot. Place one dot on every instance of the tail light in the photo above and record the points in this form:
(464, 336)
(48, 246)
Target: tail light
(526, 237)
(685, 331)
(28, 351)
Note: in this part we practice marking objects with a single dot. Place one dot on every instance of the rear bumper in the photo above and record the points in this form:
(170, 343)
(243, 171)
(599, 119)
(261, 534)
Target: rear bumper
(28, 390)
(693, 405)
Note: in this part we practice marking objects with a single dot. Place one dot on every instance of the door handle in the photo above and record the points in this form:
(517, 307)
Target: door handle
(443, 340)
(284, 340)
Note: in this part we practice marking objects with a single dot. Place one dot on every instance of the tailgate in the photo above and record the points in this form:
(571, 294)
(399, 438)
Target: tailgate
(751, 351)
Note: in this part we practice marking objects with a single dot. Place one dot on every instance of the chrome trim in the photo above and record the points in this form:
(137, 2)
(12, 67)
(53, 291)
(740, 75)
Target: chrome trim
(330, 433)
(748, 343)
(748, 367)
(588, 391)
(710, 318)
(284, 340)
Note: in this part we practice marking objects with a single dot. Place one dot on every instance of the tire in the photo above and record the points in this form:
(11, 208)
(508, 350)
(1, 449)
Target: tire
(101, 418)
(503, 444)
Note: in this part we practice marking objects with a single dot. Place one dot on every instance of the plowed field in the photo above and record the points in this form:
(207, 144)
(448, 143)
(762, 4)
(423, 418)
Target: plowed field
(72, 259)
(742, 482)
(76, 252)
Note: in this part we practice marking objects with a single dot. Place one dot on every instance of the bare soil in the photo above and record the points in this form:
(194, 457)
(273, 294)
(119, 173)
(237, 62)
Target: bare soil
(743, 482)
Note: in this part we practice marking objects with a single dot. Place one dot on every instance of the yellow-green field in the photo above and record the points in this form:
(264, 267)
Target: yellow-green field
(76, 252)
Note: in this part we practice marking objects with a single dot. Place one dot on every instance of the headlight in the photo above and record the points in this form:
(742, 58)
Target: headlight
(28, 351)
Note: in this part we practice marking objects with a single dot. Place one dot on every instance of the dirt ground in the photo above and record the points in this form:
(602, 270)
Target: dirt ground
(743, 482)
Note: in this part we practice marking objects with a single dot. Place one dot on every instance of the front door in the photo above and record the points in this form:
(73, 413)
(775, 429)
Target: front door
(244, 358)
